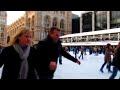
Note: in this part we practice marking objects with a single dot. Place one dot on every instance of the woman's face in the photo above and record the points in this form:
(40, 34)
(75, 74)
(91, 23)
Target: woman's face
(25, 39)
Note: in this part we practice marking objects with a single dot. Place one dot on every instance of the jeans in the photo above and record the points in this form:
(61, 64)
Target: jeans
(60, 59)
(115, 70)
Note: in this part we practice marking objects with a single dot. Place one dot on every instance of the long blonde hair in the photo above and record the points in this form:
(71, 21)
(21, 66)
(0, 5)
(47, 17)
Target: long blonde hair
(20, 31)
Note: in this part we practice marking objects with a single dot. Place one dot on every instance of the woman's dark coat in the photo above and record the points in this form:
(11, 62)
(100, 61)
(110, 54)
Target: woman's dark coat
(11, 61)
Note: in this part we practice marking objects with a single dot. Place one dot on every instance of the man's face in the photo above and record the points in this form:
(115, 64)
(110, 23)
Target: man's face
(55, 35)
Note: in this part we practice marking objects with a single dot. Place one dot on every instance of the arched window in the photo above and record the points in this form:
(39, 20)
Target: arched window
(8, 39)
(62, 24)
(47, 21)
(33, 18)
(29, 22)
(55, 22)
(2, 34)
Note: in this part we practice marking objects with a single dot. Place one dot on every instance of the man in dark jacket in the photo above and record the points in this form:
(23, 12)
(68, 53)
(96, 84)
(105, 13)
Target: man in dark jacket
(49, 50)
(116, 62)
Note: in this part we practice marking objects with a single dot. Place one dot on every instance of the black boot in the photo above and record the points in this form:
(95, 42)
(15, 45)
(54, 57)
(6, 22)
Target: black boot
(101, 69)
(107, 66)
(109, 70)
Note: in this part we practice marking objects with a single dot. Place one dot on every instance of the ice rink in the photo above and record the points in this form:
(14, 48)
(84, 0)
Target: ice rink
(89, 68)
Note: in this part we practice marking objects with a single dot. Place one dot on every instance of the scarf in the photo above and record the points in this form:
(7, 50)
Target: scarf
(24, 64)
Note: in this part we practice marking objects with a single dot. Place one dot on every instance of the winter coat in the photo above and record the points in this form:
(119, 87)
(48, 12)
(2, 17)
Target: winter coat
(11, 63)
(107, 56)
(116, 59)
(50, 51)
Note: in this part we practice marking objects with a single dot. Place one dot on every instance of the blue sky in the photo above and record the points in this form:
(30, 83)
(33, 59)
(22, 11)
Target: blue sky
(14, 15)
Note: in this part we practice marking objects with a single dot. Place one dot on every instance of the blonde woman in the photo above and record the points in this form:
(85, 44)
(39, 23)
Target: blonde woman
(18, 58)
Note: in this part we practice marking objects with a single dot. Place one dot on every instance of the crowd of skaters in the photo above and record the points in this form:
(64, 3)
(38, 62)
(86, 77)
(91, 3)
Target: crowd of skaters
(83, 49)
(108, 51)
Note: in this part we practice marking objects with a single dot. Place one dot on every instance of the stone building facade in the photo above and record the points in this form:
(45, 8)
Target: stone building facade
(3, 23)
(40, 22)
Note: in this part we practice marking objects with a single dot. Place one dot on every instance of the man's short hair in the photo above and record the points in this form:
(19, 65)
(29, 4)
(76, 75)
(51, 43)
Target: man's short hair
(54, 28)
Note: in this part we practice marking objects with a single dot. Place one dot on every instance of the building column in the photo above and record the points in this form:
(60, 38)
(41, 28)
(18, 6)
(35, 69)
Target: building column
(118, 36)
(108, 19)
(93, 21)
(69, 23)
(26, 18)
(37, 26)
(81, 24)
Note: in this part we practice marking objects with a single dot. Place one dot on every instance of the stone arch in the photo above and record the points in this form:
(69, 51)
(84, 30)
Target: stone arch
(47, 21)
(29, 22)
(8, 39)
(2, 34)
(55, 22)
(33, 21)
(62, 24)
